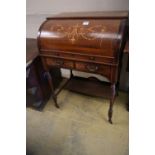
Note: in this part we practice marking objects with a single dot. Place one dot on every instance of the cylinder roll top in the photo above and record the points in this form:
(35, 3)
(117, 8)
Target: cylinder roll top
(100, 35)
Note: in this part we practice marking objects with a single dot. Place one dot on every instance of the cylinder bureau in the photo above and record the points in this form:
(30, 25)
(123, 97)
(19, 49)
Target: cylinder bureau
(88, 41)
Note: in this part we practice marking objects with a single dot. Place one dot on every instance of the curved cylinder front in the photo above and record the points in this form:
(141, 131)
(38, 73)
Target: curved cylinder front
(96, 36)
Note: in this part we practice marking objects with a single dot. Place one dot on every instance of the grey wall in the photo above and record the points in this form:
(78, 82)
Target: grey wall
(38, 10)
(55, 6)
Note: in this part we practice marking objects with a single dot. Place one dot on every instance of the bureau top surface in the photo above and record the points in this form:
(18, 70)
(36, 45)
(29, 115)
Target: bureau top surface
(77, 15)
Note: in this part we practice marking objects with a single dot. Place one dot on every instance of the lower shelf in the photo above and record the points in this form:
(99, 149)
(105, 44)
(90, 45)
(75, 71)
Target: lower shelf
(89, 86)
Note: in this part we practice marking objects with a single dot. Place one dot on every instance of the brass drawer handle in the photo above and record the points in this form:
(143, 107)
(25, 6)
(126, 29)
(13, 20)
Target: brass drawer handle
(59, 62)
(92, 58)
(92, 68)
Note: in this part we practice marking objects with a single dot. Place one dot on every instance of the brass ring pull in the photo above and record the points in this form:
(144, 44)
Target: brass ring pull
(92, 68)
(92, 58)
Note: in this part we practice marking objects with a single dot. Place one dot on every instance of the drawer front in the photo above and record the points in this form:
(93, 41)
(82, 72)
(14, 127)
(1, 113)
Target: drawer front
(105, 70)
(79, 57)
(95, 59)
(60, 63)
(94, 68)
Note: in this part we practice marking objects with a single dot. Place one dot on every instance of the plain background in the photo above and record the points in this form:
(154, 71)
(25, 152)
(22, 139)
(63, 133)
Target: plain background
(38, 10)
(56, 6)
(13, 73)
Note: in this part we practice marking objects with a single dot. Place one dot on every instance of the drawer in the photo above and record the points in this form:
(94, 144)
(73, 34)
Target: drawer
(93, 68)
(79, 56)
(97, 59)
(61, 63)
(61, 54)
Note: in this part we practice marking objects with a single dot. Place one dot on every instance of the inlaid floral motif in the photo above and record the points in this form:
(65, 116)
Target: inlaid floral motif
(73, 33)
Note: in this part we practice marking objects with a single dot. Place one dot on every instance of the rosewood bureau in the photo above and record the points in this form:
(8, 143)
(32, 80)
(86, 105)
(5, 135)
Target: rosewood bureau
(90, 42)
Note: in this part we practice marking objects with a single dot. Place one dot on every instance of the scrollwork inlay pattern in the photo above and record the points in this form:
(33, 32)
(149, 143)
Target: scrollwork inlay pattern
(73, 33)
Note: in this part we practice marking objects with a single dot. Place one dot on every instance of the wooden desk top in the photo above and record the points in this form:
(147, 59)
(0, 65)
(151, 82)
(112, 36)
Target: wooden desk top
(31, 49)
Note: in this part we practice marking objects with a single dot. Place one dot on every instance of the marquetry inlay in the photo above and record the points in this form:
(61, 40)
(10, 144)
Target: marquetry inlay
(75, 32)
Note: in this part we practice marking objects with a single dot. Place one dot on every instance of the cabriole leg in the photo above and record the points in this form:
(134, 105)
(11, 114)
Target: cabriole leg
(110, 112)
